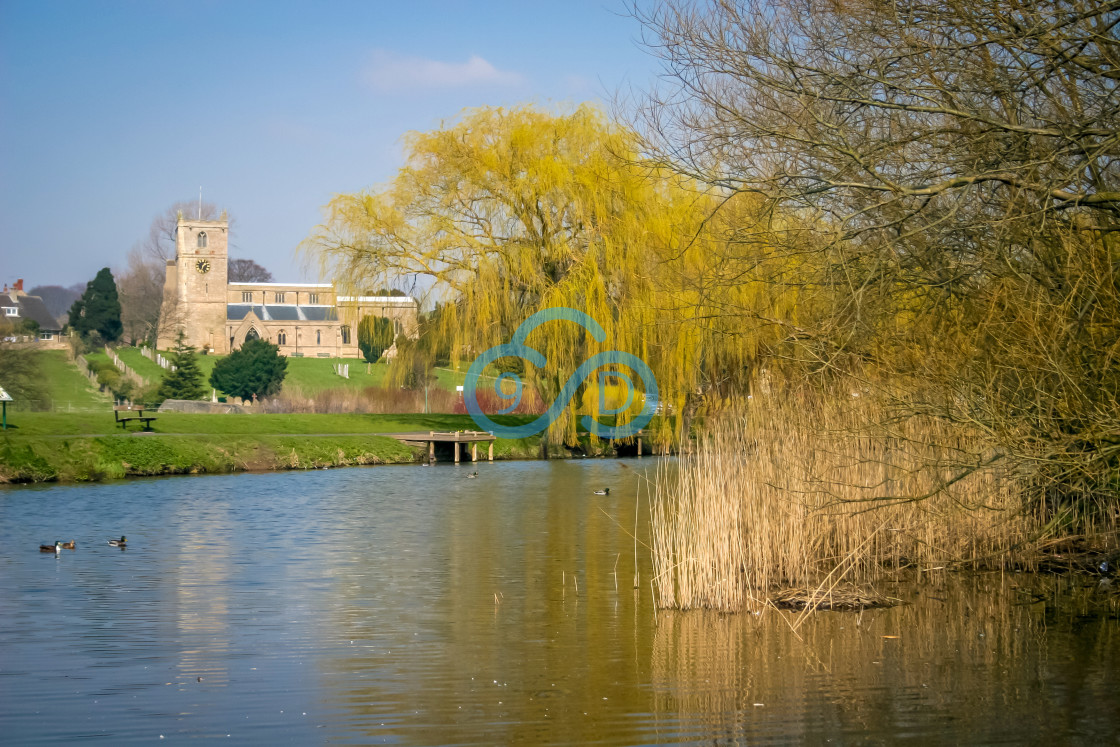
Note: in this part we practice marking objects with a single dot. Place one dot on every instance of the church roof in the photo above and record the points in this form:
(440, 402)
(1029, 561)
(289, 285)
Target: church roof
(238, 311)
(281, 312)
(320, 313)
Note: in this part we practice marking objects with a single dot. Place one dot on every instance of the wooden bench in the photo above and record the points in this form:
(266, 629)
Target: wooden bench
(139, 416)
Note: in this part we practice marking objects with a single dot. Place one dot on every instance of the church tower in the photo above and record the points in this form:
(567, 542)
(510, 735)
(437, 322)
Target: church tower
(194, 291)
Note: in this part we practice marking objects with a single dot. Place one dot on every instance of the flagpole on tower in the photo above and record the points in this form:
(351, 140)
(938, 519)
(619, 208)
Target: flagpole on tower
(200, 202)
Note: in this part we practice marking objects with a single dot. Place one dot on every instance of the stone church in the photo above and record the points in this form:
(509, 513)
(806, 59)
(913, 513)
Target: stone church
(304, 319)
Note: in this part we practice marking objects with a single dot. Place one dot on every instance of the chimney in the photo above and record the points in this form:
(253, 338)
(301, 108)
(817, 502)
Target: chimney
(18, 286)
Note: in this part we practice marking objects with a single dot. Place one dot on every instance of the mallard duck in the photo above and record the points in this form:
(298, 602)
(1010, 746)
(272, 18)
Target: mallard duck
(55, 548)
(118, 543)
(604, 491)
(472, 475)
(71, 545)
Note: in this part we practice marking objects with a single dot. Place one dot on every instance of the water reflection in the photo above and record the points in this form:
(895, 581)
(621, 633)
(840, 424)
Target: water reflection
(201, 565)
(988, 658)
(486, 642)
(410, 605)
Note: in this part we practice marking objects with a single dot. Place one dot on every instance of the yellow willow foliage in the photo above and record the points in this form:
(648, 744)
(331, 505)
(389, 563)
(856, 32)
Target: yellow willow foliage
(510, 211)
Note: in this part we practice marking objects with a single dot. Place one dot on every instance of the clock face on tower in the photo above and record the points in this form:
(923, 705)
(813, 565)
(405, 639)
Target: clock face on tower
(203, 266)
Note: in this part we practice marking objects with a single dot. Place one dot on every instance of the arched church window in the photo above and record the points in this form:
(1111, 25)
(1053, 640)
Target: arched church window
(345, 335)
(201, 239)
(282, 338)
(318, 337)
(252, 334)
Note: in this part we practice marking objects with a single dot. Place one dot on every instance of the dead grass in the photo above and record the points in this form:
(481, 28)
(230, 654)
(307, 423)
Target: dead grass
(811, 494)
(376, 400)
(368, 401)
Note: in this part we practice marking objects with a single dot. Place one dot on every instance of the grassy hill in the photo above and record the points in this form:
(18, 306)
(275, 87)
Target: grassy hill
(313, 375)
(310, 375)
(67, 389)
(307, 377)
(137, 362)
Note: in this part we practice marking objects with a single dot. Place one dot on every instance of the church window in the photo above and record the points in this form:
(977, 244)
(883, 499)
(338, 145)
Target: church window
(279, 297)
(313, 298)
(345, 335)
(252, 334)
(201, 239)
(282, 338)
(246, 296)
(318, 337)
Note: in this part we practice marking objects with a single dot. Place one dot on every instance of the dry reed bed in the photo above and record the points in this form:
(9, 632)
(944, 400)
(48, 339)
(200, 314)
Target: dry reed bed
(370, 401)
(391, 401)
(812, 495)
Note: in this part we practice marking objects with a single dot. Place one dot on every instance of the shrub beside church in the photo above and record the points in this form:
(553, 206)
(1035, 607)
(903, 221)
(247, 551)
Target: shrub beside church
(255, 368)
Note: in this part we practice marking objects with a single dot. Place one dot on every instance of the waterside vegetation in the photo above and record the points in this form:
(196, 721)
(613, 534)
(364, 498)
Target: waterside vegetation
(88, 446)
(805, 500)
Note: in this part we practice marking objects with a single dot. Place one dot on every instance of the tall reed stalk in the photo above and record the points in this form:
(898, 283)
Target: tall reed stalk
(806, 494)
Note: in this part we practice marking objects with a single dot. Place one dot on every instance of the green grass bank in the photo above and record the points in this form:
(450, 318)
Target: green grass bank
(89, 446)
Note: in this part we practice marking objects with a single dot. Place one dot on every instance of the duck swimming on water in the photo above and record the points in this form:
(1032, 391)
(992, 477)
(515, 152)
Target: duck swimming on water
(56, 548)
(604, 491)
(71, 545)
(118, 543)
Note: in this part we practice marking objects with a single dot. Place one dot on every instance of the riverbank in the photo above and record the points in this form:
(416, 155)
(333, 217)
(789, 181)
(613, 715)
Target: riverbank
(84, 447)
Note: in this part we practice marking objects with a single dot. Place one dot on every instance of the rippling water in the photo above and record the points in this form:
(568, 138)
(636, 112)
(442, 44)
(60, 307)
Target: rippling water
(412, 605)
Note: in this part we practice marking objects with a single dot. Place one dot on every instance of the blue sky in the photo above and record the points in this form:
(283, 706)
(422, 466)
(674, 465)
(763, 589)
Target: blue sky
(111, 111)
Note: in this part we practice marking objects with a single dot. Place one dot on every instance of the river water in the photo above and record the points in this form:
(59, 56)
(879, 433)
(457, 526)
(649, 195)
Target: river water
(412, 605)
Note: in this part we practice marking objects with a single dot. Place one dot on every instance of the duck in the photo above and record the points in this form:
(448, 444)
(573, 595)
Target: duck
(55, 548)
(604, 491)
(472, 475)
(118, 543)
(71, 545)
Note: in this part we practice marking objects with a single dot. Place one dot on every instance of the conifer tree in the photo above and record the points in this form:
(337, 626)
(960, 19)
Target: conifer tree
(256, 368)
(185, 382)
(99, 309)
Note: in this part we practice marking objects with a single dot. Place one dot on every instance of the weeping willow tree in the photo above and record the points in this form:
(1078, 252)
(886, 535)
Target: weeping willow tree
(510, 211)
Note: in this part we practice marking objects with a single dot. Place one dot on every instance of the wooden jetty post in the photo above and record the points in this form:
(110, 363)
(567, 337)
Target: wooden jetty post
(457, 439)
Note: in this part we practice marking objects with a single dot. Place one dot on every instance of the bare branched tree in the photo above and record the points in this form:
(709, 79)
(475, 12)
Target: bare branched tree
(141, 284)
(140, 287)
(955, 169)
(248, 271)
(159, 244)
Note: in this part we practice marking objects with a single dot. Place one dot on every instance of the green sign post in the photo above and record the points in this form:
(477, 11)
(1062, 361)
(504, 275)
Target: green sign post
(5, 398)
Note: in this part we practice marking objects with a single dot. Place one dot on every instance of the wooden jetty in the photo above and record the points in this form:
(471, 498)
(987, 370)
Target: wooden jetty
(459, 439)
